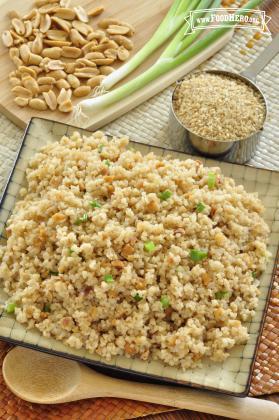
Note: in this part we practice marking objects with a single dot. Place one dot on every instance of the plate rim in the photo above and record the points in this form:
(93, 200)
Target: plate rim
(130, 372)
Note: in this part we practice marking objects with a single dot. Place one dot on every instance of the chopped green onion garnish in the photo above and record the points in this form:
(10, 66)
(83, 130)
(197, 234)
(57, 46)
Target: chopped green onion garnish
(10, 308)
(107, 162)
(54, 273)
(46, 307)
(254, 274)
(100, 148)
(95, 204)
(137, 297)
(211, 180)
(200, 207)
(149, 246)
(70, 251)
(221, 294)
(108, 278)
(197, 254)
(81, 219)
(165, 302)
(165, 195)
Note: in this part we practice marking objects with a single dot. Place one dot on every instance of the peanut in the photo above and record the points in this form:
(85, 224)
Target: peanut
(103, 61)
(65, 13)
(27, 70)
(66, 106)
(106, 70)
(22, 92)
(34, 59)
(44, 88)
(37, 44)
(57, 74)
(73, 81)
(17, 61)
(54, 52)
(123, 54)
(82, 91)
(38, 104)
(45, 23)
(56, 35)
(24, 53)
(64, 95)
(96, 11)
(70, 67)
(50, 99)
(28, 28)
(18, 26)
(94, 55)
(122, 40)
(76, 38)
(15, 81)
(55, 65)
(31, 84)
(63, 24)
(21, 101)
(117, 30)
(95, 81)
(62, 84)
(46, 80)
(13, 52)
(96, 35)
(56, 43)
(81, 14)
(110, 53)
(71, 52)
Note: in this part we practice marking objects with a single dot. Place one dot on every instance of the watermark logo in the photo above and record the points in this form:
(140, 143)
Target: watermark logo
(224, 18)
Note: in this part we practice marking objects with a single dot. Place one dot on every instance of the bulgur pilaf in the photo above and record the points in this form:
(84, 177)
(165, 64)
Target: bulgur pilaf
(142, 256)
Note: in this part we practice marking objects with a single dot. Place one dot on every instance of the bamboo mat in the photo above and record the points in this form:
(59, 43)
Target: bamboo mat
(150, 120)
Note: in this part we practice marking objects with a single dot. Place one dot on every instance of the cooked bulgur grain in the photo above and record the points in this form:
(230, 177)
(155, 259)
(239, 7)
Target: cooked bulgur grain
(219, 107)
(97, 285)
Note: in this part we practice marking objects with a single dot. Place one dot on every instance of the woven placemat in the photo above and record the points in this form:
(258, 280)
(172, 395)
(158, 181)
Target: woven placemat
(148, 124)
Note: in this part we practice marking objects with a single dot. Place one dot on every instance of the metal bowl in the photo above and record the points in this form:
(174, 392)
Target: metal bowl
(237, 150)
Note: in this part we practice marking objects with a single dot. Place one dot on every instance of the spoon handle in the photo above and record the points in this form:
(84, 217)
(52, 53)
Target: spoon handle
(207, 402)
(265, 57)
(187, 398)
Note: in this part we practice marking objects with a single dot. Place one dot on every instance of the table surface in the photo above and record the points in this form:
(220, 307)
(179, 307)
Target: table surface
(272, 9)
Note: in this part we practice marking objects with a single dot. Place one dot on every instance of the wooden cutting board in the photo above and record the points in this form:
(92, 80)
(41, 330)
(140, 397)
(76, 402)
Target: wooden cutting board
(145, 15)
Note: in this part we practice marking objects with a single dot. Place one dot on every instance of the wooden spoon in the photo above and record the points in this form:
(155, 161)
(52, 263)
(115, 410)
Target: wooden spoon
(45, 379)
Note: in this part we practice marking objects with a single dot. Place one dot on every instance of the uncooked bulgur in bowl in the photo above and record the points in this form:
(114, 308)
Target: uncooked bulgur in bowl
(125, 254)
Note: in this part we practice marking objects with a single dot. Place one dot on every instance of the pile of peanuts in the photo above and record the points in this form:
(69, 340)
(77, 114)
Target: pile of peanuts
(58, 54)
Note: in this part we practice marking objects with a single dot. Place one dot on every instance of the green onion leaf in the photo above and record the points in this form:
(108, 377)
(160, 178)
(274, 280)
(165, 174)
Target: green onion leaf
(254, 274)
(211, 180)
(100, 148)
(54, 273)
(10, 308)
(165, 302)
(221, 294)
(198, 254)
(137, 297)
(165, 195)
(95, 204)
(200, 207)
(46, 307)
(70, 251)
(108, 278)
(82, 219)
(107, 162)
(149, 246)
(180, 50)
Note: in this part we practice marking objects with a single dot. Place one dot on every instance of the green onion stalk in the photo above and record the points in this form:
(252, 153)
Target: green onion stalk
(169, 26)
(181, 49)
